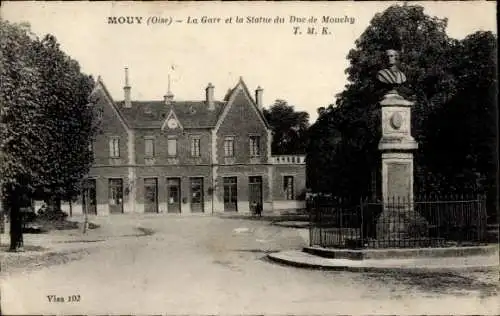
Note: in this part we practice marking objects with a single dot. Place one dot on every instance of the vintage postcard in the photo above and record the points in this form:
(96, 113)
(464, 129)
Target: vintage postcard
(248, 158)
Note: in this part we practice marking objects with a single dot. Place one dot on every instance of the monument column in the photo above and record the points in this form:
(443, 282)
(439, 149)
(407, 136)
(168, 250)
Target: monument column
(399, 225)
(397, 146)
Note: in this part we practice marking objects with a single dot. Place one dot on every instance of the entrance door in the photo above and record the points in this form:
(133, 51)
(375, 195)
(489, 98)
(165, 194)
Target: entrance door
(151, 195)
(230, 194)
(196, 195)
(255, 190)
(115, 196)
(174, 195)
(89, 198)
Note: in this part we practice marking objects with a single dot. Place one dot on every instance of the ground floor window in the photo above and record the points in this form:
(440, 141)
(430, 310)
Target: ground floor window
(288, 187)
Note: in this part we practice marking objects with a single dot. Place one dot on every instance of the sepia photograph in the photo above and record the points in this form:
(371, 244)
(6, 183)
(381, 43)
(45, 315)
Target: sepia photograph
(249, 158)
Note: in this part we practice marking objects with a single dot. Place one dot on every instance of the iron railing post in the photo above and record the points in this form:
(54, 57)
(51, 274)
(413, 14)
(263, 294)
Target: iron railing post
(361, 234)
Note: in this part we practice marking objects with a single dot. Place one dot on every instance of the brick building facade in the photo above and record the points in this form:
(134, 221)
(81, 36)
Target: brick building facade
(173, 156)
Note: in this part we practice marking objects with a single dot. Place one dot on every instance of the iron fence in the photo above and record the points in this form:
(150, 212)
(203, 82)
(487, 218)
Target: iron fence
(425, 221)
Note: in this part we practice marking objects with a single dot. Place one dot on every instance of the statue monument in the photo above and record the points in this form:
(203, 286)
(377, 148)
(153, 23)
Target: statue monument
(398, 222)
(392, 76)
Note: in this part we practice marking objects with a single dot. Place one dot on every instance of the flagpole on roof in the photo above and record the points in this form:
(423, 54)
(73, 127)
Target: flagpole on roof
(169, 92)
(172, 68)
(169, 96)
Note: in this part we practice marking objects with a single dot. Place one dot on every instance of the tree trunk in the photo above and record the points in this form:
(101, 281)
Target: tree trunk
(57, 204)
(16, 221)
(3, 215)
(70, 208)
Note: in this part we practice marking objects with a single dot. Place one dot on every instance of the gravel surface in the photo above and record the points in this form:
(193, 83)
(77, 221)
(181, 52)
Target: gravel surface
(34, 260)
(209, 265)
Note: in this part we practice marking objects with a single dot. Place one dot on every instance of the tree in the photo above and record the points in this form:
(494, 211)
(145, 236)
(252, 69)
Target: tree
(425, 57)
(20, 119)
(462, 148)
(289, 128)
(45, 124)
(323, 137)
(442, 73)
(65, 98)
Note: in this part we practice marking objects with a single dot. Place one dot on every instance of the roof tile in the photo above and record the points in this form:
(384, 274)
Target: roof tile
(152, 114)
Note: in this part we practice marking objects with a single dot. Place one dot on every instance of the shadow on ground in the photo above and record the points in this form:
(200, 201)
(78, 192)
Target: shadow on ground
(262, 251)
(36, 257)
(35, 261)
(29, 248)
(268, 218)
(142, 232)
(459, 283)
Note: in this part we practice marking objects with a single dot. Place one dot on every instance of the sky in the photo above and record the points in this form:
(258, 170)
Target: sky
(307, 70)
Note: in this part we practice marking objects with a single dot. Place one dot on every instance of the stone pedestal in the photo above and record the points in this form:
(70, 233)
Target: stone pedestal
(398, 222)
(397, 176)
(400, 226)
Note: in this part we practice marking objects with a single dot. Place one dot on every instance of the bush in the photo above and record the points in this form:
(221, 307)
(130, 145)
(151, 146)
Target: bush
(32, 228)
(28, 214)
(51, 215)
(93, 226)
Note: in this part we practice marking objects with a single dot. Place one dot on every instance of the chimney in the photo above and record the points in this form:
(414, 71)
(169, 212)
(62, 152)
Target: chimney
(258, 97)
(210, 96)
(169, 96)
(126, 91)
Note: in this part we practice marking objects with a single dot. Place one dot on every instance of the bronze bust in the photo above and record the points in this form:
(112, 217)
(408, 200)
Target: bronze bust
(392, 76)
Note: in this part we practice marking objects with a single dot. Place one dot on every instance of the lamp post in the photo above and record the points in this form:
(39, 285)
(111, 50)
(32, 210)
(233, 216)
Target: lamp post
(86, 195)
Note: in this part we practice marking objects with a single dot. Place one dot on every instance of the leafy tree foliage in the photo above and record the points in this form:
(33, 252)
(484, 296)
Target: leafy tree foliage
(46, 125)
(453, 85)
(65, 93)
(289, 128)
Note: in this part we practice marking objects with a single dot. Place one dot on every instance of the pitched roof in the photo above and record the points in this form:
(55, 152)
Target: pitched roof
(231, 93)
(100, 86)
(191, 114)
(152, 114)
